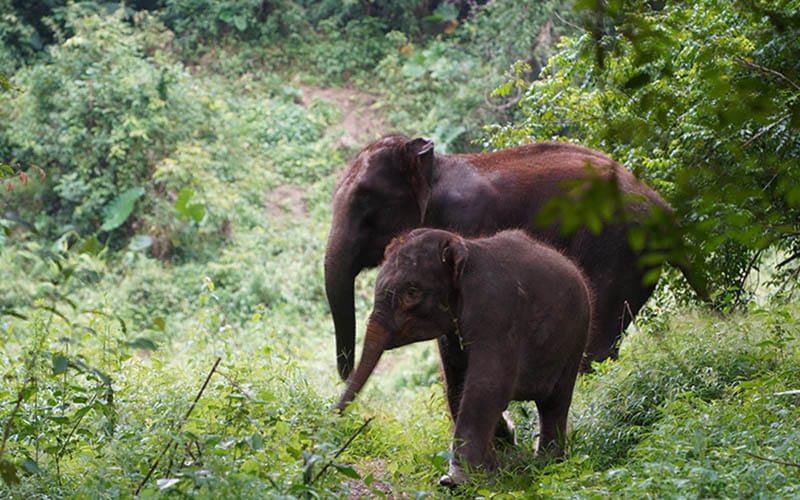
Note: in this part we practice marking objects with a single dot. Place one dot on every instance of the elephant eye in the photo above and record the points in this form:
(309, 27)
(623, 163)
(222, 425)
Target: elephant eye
(411, 296)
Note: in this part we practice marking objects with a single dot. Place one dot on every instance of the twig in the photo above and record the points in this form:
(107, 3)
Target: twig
(750, 266)
(788, 260)
(568, 23)
(767, 459)
(9, 422)
(766, 129)
(75, 428)
(180, 427)
(344, 447)
(770, 71)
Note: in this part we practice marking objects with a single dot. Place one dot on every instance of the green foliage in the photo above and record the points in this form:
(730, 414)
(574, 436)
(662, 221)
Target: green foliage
(118, 211)
(700, 106)
(16, 39)
(179, 216)
(96, 117)
(441, 88)
(689, 413)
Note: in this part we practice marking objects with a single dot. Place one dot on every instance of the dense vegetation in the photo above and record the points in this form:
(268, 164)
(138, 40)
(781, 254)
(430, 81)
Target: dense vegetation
(167, 168)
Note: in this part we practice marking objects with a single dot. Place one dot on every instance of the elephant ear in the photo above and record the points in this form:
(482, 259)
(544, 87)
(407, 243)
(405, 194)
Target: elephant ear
(419, 159)
(454, 253)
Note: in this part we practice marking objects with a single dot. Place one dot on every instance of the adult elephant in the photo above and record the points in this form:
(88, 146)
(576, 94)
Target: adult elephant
(396, 184)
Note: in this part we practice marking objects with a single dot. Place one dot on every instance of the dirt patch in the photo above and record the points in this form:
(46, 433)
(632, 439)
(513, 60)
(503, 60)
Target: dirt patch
(360, 121)
(359, 489)
(286, 200)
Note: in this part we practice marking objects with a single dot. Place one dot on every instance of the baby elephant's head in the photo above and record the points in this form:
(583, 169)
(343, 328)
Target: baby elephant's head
(417, 286)
(414, 296)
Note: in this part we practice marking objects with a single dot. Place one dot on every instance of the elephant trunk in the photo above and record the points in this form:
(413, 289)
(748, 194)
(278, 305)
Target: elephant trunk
(375, 342)
(339, 278)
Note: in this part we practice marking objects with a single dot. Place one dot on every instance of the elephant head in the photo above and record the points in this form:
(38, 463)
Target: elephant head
(415, 295)
(384, 192)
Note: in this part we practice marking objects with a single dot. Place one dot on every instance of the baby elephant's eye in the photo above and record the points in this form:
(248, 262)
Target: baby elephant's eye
(411, 296)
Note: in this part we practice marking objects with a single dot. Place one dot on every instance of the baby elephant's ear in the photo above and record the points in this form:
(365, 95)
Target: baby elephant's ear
(454, 253)
(420, 147)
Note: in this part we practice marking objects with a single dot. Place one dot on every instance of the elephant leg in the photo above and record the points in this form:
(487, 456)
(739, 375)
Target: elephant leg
(487, 390)
(454, 366)
(613, 312)
(553, 412)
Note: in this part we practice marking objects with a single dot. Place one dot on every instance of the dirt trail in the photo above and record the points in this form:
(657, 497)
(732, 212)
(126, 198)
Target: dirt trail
(360, 122)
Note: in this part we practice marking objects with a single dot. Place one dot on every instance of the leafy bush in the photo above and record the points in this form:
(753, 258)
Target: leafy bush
(441, 87)
(97, 116)
(704, 107)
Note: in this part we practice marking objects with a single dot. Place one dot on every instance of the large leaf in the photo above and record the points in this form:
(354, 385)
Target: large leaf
(194, 211)
(117, 212)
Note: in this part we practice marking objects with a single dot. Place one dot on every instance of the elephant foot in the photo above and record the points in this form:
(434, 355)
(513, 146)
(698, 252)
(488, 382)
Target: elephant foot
(455, 476)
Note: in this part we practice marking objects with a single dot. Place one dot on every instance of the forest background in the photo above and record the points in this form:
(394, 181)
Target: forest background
(167, 168)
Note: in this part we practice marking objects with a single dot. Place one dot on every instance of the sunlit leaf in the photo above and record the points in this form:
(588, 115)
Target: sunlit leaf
(140, 242)
(117, 212)
(164, 484)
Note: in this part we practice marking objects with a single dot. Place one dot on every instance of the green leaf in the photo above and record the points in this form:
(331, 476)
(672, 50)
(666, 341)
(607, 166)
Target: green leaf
(257, 442)
(346, 470)
(117, 212)
(31, 466)
(195, 211)
(5, 83)
(91, 246)
(638, 80)
(142, 343)
(60, 364)
(240, 22)
(159, 323)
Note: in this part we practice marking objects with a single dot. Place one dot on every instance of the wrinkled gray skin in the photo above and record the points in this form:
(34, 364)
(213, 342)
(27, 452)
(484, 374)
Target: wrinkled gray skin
(511, 316)
(396, 184)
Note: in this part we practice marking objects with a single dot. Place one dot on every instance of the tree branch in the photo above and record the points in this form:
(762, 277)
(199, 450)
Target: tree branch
(770, 71)
(774, 461)
(344, 447)
(180, 426)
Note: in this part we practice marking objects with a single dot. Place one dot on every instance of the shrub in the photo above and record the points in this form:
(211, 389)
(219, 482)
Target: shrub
(97, 117)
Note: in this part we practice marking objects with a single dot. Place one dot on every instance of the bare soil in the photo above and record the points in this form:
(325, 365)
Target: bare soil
(360, 123)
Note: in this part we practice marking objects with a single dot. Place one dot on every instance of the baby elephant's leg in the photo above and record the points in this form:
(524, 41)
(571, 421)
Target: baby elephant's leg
(553, 424)
(482, 404)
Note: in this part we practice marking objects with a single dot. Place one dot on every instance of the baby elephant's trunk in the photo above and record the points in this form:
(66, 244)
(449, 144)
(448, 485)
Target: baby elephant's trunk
(375, 342)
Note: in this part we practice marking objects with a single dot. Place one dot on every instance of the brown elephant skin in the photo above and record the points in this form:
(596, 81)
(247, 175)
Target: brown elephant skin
(396, 184)
(512, 317)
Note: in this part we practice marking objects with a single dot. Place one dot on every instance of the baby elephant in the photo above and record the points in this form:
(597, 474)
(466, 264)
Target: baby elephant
(511, 317)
